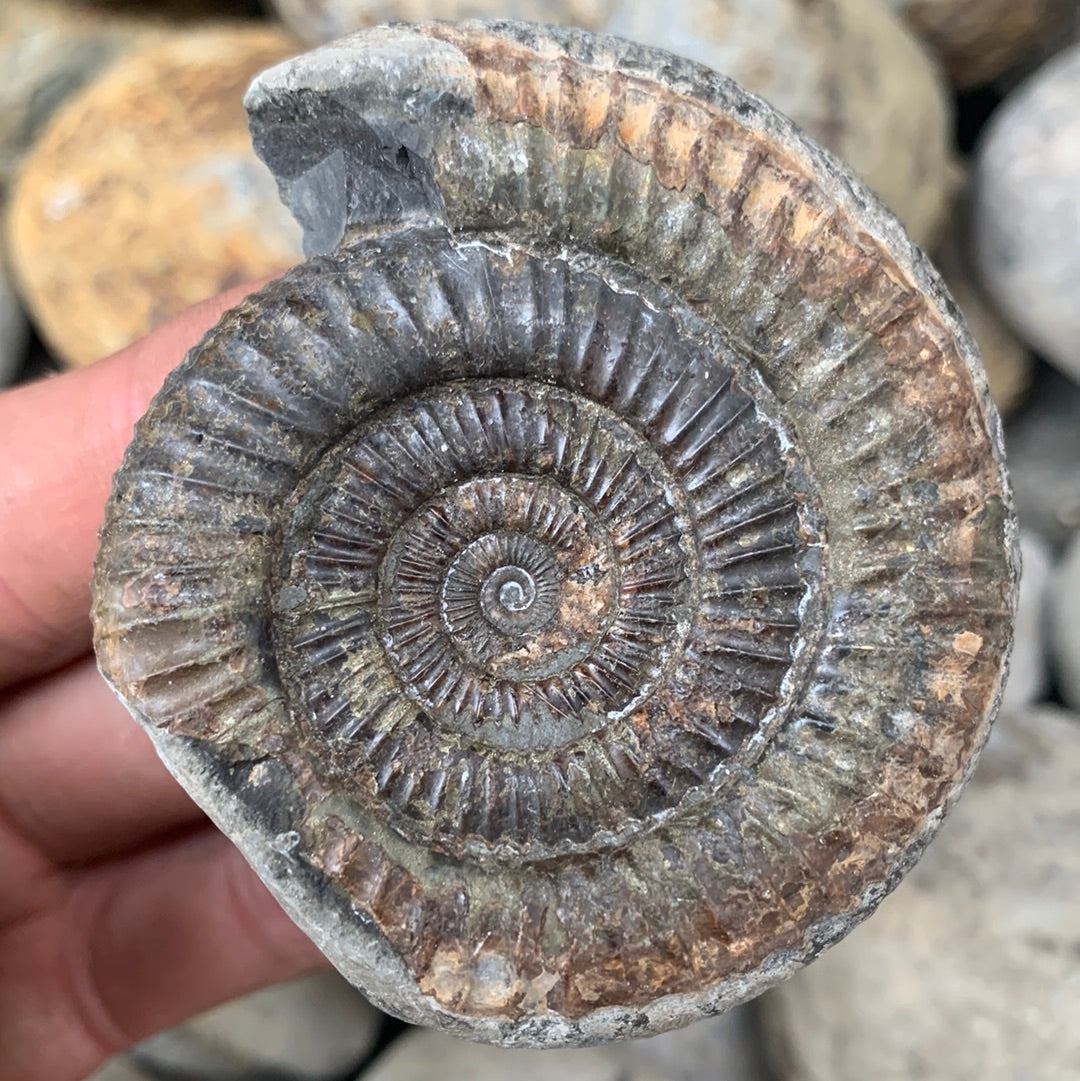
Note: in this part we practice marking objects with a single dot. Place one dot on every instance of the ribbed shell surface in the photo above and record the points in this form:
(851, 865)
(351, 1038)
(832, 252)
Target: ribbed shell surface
(581, 588)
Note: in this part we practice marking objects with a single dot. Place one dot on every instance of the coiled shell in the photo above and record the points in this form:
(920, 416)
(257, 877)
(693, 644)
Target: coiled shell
(583, 585)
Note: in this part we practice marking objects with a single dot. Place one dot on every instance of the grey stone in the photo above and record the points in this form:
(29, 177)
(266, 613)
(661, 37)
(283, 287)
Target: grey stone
(847, 71)
(1027, 210)
(420, 1056)
(316, 21)
(724, 1048)
(1043, 445)
(310, 1029)
(969, 971)
(48, 50)
(13, 329)
(1065, 623)
(1028, 668)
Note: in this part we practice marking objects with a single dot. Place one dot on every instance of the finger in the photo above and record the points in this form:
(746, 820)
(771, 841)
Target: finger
(78, 778)
(140, 946)
(64, 438)
(171, 933)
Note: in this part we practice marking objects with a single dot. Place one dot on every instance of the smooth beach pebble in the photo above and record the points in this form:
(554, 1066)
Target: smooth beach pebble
(1027, 210)
(1044, 458)
(13, 329)
(51, 48)
(421, 1055)
(144, 196)
(1065, 624)
(724, 1048)
(977, 40)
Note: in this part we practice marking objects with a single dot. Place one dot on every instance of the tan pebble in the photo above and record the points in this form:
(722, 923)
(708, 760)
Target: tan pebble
(431, 1054)
(49, 49)
(144, 197)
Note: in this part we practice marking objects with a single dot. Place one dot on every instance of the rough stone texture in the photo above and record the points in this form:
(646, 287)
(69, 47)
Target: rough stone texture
(424, 1055)
(582, 587)
(13, 329)
(1065, 622)
(1008, 361)
(1044, 459)
(313, 1029)
(144, 197)
(51, 48)
(847, 71)
(968, 973)
(318, 21)
(725, 1048)
(978, 40)
(1028, 673)
(1027, 210)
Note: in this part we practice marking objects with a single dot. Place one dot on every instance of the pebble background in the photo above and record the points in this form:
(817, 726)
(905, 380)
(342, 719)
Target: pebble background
(972, 968)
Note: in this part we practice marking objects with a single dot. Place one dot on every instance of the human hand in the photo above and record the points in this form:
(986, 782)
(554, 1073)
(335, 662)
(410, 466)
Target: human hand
(122, 910)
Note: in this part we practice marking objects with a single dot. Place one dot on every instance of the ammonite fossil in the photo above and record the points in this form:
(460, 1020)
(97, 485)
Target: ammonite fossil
(581, 588)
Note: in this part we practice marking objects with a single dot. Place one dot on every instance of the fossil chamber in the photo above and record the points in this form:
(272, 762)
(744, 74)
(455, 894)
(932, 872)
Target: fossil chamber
(583, 585)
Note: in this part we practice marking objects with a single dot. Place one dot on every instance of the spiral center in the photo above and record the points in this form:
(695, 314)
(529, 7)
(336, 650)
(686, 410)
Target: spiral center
(517, 595)
(507, 597)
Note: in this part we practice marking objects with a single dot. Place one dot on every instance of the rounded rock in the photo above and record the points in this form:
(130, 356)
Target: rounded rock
(847, 71)
(1027, 210)
(431, 1054)
(969, 971)
(581, 587)
(14, 331)
(724, 1048)
(318, 21)
(143, 197)
(1044, 459)
(49, 49)
(1065, 623)
(977, 40)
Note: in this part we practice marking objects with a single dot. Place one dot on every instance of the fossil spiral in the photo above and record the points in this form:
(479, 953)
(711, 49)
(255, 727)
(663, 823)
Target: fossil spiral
(581, 587)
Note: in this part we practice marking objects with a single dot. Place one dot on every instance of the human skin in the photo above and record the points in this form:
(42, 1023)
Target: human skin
(122, 910)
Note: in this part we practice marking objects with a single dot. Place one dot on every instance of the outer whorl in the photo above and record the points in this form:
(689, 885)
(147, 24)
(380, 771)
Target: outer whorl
(581, 588)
